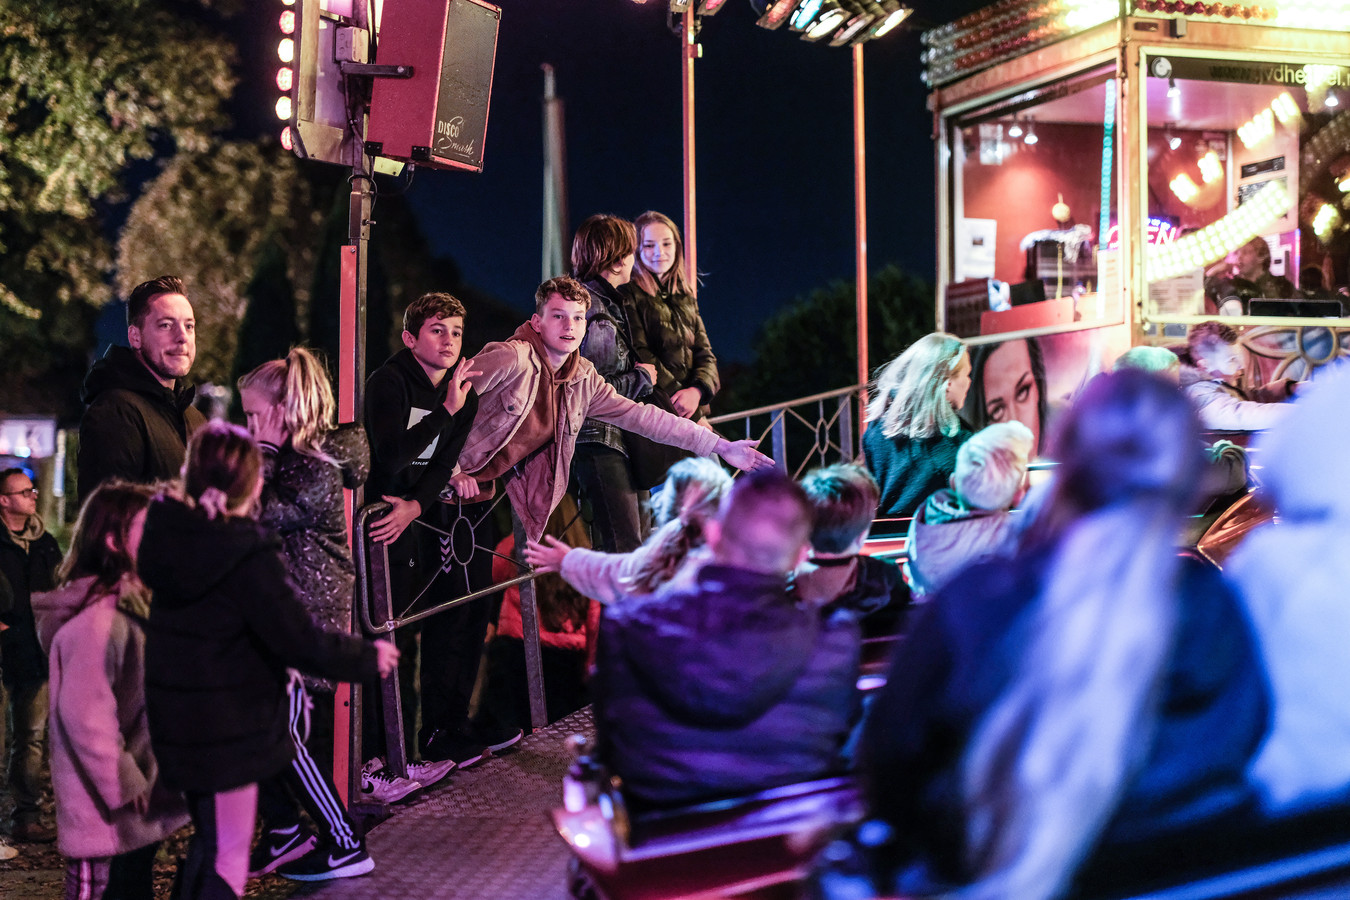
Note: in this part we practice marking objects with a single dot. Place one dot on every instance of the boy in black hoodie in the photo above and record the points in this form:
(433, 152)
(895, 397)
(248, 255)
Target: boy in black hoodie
(418, 413)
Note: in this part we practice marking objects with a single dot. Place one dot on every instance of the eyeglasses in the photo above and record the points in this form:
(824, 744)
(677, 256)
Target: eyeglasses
(32, 492)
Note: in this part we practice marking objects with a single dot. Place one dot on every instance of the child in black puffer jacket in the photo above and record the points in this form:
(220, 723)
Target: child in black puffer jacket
(224, 626)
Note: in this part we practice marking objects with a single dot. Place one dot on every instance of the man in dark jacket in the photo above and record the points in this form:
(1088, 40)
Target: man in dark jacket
(28, 560)
(718, 684)
(139, 412)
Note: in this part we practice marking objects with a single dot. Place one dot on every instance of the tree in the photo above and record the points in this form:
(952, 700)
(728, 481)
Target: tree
(207, 218)
(269, 328)
(85, 89)
(812, 347)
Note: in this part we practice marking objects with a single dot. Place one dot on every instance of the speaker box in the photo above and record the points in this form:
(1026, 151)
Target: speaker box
(438, 117)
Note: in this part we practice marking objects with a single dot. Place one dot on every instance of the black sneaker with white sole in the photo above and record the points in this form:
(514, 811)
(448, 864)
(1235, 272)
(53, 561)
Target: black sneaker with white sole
(326, 862)
(276, 847)
(493, 736)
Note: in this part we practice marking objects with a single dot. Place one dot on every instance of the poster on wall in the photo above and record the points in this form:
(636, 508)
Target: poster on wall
(975, 242)
(1031, 379)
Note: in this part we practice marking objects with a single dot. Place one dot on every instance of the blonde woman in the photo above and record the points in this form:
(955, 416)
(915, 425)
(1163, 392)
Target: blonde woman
(913, 429)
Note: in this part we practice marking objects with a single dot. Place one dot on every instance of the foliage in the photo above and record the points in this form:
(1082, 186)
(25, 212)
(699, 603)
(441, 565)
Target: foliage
(85, 88)
(269, 328)
(812, 346)
(207, 218)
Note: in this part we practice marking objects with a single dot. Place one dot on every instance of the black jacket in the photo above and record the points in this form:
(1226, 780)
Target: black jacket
(133, 427)
(414, 442)
(224, 626)
(910, 470)
(718, 684)
(959, 658)
(302, 502)
(27, 572)
(608, 344)
(668, 332)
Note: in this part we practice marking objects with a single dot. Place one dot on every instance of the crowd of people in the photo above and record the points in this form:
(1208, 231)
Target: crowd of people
(1067, 689)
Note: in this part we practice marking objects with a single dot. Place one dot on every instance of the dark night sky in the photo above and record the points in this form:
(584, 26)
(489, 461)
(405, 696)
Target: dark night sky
(775, 166)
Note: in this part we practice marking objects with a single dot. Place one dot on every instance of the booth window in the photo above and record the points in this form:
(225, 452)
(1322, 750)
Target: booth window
(1248, 180)
(1031, 184)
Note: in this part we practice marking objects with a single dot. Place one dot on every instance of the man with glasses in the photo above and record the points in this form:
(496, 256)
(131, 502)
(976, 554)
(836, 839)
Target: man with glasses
(139, 412)
(28, 560)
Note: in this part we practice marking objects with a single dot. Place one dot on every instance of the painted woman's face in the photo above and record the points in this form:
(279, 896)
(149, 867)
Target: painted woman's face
(657, 248)
(1010, 390)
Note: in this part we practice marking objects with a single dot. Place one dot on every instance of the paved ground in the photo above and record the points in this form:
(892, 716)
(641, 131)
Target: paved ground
(482, 834)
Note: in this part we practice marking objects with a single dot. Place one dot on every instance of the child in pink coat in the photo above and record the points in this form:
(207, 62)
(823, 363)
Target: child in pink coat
(111, 811)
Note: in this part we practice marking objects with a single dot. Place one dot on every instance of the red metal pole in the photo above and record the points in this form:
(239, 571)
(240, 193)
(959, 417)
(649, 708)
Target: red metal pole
(690, 53)
(860, 224)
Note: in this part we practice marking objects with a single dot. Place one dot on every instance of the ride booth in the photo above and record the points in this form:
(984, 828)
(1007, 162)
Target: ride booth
(1104, 169)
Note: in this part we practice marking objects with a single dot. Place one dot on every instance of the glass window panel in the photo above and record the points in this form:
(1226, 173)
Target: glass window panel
(1032, 194)
(1247, 195)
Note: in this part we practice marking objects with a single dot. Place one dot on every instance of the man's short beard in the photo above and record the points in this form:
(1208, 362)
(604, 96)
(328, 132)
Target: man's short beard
(156, 371)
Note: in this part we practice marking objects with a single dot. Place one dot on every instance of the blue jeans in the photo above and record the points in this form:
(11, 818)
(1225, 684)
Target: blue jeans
(26, 704)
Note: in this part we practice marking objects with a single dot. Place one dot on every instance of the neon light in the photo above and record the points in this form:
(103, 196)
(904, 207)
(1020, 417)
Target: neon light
(1156, 233)
(1108, 156)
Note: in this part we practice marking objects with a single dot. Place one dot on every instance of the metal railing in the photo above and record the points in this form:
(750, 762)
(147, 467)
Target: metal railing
(375, 606)
(803, 433)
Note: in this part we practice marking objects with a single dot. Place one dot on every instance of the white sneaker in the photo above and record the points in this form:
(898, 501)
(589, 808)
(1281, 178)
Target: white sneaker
(383, 786)
(424, 773)
(428, 773)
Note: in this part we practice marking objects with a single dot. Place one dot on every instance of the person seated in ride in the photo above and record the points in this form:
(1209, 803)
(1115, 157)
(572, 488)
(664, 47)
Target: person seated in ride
(973, 518)
(1212, 378)
(1292, 574)
(1231, 284)
(838, 577)
(1227, 473)
(718, 683)
(1091, 697)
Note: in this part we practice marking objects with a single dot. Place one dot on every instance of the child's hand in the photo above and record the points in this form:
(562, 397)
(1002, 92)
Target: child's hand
(460, 385)
(141, 804)
(386, 655)
(387, 529)
(269, 426)
(548, 556)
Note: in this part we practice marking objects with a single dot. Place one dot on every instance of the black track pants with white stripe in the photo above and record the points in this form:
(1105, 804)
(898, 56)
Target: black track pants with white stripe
(308, 780)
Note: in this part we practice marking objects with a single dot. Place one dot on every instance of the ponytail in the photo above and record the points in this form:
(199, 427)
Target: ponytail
(309, 404)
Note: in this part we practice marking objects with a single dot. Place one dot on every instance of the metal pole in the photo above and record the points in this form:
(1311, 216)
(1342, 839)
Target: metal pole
(690, 53)
(529, 627)
(860, 224)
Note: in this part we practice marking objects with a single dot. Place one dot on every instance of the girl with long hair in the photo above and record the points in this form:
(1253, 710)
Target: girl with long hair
(307, 461)
(688, 501)
(1097, 691)
(667, 326)
(914, 428)
(225, 626)
(111, 809)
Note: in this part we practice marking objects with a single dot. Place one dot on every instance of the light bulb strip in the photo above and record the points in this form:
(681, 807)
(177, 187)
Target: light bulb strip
(1219, 238)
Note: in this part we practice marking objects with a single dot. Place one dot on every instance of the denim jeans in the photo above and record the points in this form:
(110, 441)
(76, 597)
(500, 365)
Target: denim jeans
(607, 484)
(26, 704)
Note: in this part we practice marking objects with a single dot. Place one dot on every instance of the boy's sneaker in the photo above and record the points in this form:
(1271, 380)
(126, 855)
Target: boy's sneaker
(424, 773)
(276, 847)
(6, 851)
(493, 736)
(454, 746)
(382, 786)
(326, 862)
